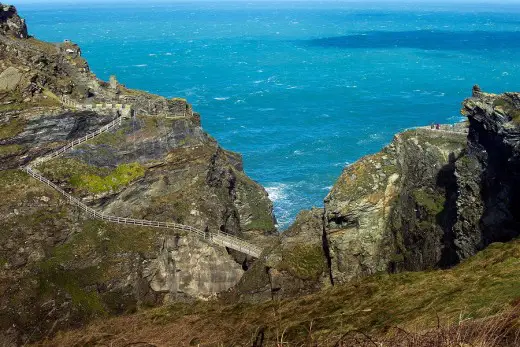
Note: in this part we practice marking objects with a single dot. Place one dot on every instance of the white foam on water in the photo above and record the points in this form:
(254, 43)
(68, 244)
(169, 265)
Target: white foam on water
(222, 98)
(277, 191)
(140, 65)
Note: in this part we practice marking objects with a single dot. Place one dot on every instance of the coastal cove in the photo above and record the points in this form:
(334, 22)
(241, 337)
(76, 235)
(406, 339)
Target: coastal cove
(299, 91)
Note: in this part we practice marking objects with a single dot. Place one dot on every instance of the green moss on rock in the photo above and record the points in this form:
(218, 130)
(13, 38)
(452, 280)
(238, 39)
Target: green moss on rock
(433, 202)
(11, 128)
(8, 150)
(507, 106)
(92, 179)
(303, 261)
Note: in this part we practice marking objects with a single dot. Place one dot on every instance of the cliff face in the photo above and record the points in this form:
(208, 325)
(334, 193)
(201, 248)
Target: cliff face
(11, 23)
(387, 212)
(393, 211)
(431, 198)
(59, 269)
(428, 200)
(488, 176)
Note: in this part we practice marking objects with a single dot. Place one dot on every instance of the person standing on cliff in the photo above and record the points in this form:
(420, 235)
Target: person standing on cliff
(438, 126)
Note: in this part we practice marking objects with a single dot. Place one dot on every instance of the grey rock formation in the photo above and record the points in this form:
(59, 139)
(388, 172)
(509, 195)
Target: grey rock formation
(11, 23)
(488, 176)
(10, 78)
(387, 212)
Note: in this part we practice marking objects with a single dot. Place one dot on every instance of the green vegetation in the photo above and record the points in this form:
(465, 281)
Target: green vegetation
(508, 107)
(304, 261)
(92, 179)
(109, 138)
(433, 202)
(7, 150)
(51, 276)
(123, 175)
(12, 128)
(46, 47)
(72, 267)
(14, 101)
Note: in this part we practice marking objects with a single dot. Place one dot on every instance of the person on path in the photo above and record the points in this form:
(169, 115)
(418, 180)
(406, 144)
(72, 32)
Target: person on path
(438, 126)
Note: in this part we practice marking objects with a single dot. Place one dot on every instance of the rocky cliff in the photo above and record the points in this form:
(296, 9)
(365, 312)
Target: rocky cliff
(488, 176)
(428, 200)
(58, 268)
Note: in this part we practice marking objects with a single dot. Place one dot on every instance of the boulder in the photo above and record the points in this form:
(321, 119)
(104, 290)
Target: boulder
(10, 78)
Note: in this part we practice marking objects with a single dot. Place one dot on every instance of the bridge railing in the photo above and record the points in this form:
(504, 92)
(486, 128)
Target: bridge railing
(116, 122)
(220, 238)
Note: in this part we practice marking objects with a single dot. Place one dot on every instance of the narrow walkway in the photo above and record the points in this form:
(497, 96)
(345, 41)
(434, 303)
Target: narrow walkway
(218, 238)
(446, 129)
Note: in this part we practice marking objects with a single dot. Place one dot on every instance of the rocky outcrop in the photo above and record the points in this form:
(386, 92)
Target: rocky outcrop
(295, 264)
(391, 211)
(488, 176)
(428, 200)
(59, 270)
(388, 212)
(11, 23)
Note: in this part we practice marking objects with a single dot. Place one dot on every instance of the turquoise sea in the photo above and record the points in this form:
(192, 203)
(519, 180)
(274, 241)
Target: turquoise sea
(300, 89)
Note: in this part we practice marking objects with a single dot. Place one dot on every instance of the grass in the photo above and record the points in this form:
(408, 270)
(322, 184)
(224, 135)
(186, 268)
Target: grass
(480, 287)
(508, 107)
(91, 179)
(48, 48)
(8, 150)
(303, 261)
(123, 175)
(12, 128)
(433, 202)
(14, 101)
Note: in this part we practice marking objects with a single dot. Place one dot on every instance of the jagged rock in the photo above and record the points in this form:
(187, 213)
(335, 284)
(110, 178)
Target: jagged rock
(11, 23)
(294, 265)
(488, 176)
(385, 212)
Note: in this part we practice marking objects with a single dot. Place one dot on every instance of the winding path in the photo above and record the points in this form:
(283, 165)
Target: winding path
(218, 238)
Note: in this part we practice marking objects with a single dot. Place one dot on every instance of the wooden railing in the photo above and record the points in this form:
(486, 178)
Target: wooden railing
(218, 238)
(115, 123)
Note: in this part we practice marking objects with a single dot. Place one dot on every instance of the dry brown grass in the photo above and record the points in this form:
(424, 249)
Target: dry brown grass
(469, 304)
(500, 330)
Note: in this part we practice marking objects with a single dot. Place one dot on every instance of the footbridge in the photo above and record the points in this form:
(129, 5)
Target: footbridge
(218, 238)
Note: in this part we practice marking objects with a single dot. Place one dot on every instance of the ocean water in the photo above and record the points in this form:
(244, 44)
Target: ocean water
(300, 89)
